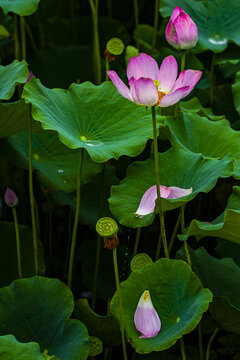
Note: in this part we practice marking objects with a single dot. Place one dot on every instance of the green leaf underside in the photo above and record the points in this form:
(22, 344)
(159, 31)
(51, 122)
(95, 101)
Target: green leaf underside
(8, 253)
(96, 118)
(226, 226)
(37, 309)
(212, 19)
(11, 75)
(14, 117)
(105, 328)
(222, 277)
(178, 167)
(11, 349)
(19, 7)
(56, 164)
(177, 296)
(213, 139)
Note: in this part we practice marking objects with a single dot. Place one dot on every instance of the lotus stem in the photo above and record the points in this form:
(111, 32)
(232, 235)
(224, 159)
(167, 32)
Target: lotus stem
(159, 246)
(136, 15)
(156, 16)
(183, 60)
(96, 46)
(210, 343)
(23, 37)
(159, 203)
(182, 349)
(17, 243)
(185, 241)
(107, 68)
(16, 38)
(75, 226)
(30, 181)
(96, 270)
(137, 239)
(174, 234)
(119, 304)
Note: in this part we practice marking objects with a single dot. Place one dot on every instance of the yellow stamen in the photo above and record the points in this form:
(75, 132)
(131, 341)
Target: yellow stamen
(146, 295)
(161, 94)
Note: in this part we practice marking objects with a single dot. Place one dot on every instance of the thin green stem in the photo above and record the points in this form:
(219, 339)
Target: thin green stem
(174, 234)
(30, 180)
(23, 37)
(17, 243)
(96, 270)
(75, 226)
(200, 342)
(159, 245)
(16, 38)
(182, 349)
(138, 235)
(212, 79)
(136, 22)
(119, 304)
(96, 46)
(107, 68)
(183, 59)
(185, 242)
(155, 28)
(158, 202)
(210, 343)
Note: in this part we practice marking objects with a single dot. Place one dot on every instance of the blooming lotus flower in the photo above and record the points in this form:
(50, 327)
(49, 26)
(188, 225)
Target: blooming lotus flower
(146, 318)
(147, 203)
(150, 85)
(10, 198)
(181, 31)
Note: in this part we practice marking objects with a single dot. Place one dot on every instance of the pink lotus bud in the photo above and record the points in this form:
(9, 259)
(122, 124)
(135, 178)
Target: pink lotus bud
(181, 31)
(146, 318)
(10, 198)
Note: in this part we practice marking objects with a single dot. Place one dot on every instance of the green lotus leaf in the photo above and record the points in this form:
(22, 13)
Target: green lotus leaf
(14, 117)
(178, 167)
(11, 75)
(38, 310)
(228, 61)
(105, 328)
(212, 19)
(236, 92)
(11, 349)
(194, 106)
(96, 118)
(177, 295)
(222, 277)
(20, 7)
(8, 253)
(56, 164)
(225, 249)
(200, 135)
(225, 226)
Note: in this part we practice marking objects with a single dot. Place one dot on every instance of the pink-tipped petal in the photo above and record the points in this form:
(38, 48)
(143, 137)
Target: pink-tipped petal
(146, 319)
(188, 78)
(142, 65)
(147, 203)
(176, 192)
(177, 11)
(168, 73)
(186, 30)
(121, 87)
(173, 97)
(171, 35)
(146, 91)
(132, 82)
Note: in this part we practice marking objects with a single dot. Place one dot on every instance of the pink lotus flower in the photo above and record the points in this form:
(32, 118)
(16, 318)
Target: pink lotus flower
(147, 203)
(150, 85)
(10, 198)
(146, 319)
(181, 31)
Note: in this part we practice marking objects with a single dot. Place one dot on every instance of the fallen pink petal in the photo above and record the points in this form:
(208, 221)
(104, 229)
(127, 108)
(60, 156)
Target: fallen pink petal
(150, 85)
(181, 31)
(146, 319)
(147, 203)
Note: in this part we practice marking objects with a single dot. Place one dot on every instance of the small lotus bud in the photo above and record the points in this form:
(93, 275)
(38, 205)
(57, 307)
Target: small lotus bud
(10, 198)
(146, 318)
(181, 31)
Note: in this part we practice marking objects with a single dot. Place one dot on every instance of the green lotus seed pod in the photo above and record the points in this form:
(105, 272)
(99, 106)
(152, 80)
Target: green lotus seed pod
(95, 346)
(106, 227)
(115, 46)
(140, 261)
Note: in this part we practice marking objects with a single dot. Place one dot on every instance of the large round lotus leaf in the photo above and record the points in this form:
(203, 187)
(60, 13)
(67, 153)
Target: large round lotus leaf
(225, 249)
(178, 167)
(20, 7)
(11, 75)
(226, 226)
(217, 20)
(96, 118)
(222, 277)
(213, 139)
(14, 117)
(194, 106)
(38, 310)
(177, 295)
(57, 165)
(8, 253)
(11, 349)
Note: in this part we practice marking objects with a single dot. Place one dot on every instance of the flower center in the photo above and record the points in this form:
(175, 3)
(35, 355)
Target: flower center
(161, 94)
